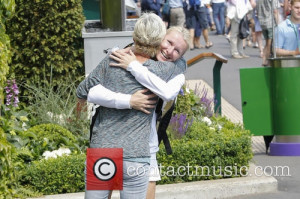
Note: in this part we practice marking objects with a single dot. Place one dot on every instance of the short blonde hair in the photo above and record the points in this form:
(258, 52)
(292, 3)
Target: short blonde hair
(294, 1)
(184, 32)
(148, 34)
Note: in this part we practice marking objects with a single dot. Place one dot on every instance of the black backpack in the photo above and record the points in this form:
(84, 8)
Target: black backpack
(244, 30)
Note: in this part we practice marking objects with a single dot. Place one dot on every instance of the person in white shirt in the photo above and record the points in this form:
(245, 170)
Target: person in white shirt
(173, 47)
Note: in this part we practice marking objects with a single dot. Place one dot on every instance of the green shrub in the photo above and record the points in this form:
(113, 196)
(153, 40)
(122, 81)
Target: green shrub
(46, 39)
(194, 103)
(6, 167)
(48, 104)
(188, 103)
(11, 168)
(6, 10)
(49, 137)
(63, 174)
(219, 150)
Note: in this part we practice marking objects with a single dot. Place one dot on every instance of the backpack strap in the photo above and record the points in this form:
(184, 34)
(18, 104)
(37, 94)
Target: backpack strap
(162, 129)
(93, 121)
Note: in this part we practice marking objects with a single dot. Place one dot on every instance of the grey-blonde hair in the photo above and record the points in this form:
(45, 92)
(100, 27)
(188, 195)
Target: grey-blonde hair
(292, 2)
(148, 34)
(184, 32)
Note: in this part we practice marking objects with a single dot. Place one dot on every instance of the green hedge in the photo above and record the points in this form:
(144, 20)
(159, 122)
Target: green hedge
(7, 177)
(64, 174)
(6, 10)
(220, 150)
(223, 149)
(49, 137)
(46, 40)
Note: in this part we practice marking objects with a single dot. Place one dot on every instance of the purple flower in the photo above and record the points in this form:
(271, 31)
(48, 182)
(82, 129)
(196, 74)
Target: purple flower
(180, 123)
(12, 92)
(181, 92)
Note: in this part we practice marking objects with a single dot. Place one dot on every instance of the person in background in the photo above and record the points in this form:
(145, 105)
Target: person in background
(286, 7)
(198, 30)
(209, 16)
(257, 34)
(166, 13)
(198, 12)
(227, 22)
(218, 7)
(151, 6)
(177, 16)
(236, 10)
(287, 41)
(281, 14)
(265, 17)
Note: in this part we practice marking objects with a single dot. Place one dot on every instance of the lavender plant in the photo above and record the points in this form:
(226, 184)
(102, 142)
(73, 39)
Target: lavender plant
(14, 120)
(190, 105)
(179, 125)
(12, 92)
(206, 102)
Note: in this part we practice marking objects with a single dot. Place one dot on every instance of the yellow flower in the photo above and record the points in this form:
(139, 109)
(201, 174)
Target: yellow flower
(24, 119)
(12, 132)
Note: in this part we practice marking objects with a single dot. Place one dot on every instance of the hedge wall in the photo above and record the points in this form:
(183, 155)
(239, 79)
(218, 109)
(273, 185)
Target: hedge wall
(223, 149)
(64, 174)
(46, 40)
(6, 168)
(7, 8)
(220, 150)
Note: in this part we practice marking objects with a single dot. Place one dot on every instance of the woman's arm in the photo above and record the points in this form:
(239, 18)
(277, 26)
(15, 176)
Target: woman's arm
(165, 90)
(104, 97)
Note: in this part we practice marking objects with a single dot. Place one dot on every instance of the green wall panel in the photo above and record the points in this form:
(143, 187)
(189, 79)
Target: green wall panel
(256, 100)
(286, 101)
(271, 100)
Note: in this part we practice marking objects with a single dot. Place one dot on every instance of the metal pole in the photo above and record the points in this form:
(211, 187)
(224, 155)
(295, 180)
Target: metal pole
(273, 30)
(217, 87)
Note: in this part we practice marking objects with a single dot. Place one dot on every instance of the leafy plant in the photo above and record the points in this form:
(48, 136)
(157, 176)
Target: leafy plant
(7, 177)
(57, 105)
(11, 169)
(49, 137)
(188, 103)
(179, 124)
(220, 149)
(46, 35)
(205, 101)
(7, 8)
(64, 174)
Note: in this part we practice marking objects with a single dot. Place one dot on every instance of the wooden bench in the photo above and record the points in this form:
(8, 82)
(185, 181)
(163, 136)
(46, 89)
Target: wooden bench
(216, 75)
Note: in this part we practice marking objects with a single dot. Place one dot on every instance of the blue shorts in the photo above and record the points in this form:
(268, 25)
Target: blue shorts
(135, 182)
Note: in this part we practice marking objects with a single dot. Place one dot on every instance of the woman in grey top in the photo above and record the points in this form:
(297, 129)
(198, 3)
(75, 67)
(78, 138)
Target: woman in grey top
(128, 128)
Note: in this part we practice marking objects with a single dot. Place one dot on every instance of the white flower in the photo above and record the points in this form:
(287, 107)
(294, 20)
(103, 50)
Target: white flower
(207, 120)
(56, 153)
(187, 90)
(49, 154)
(219, 127)
(62, 151)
